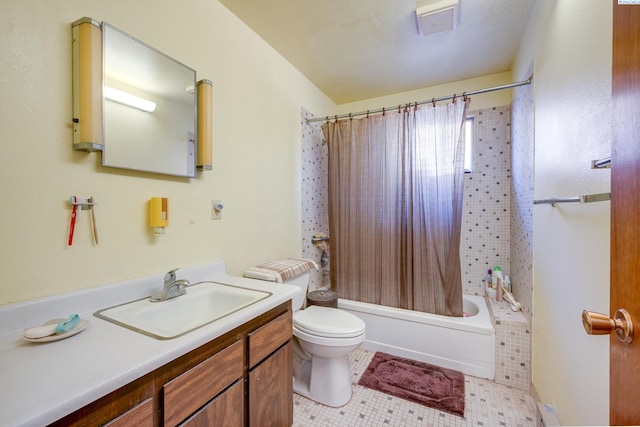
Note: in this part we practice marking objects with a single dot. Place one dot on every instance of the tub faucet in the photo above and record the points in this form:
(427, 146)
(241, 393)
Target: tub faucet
(172, 287)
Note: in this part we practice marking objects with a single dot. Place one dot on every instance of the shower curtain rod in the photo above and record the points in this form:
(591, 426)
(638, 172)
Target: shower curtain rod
(433, 100)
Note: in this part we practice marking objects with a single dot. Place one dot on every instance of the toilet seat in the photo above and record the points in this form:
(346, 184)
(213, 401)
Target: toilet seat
(328, 322)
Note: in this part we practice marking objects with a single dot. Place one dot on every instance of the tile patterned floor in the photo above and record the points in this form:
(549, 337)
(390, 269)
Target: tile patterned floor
(487, 404)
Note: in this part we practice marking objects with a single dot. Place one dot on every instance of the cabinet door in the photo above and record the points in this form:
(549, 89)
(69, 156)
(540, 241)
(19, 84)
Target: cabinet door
(141, 415)
(226, 410)
(271, 390)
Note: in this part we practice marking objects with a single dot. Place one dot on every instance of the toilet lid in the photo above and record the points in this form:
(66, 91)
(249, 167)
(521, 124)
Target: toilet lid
(328, 322)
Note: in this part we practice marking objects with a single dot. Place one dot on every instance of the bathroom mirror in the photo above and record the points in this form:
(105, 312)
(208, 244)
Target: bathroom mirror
(149, 108)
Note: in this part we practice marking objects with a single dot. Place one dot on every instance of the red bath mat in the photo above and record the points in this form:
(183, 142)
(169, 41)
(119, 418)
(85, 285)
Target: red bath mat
(432, 386)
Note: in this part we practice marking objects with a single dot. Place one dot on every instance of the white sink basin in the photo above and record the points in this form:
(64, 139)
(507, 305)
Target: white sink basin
(204, 302)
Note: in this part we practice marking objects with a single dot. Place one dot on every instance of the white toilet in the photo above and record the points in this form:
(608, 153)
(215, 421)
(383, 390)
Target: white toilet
(324, 337)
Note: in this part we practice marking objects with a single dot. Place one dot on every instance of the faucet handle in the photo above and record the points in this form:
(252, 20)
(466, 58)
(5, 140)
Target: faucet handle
(171, 275)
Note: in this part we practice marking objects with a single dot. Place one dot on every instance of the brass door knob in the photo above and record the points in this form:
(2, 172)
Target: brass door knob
(601, 324)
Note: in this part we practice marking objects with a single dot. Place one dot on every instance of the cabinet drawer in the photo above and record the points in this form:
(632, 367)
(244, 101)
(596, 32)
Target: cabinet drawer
(188, 392)
(266, 339)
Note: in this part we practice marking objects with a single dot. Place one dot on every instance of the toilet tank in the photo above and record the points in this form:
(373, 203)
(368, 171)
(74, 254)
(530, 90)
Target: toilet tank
(303, 282)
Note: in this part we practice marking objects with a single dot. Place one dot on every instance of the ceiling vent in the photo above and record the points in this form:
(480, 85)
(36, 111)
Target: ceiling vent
(438, 17)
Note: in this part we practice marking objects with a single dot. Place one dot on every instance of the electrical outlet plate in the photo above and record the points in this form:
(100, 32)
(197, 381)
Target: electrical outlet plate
(215, 213)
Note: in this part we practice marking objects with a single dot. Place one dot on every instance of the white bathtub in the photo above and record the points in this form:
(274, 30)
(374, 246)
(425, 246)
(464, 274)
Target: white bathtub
(466, 344)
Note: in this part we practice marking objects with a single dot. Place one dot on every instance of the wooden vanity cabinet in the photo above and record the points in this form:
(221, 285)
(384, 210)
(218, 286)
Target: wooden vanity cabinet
(242, 378)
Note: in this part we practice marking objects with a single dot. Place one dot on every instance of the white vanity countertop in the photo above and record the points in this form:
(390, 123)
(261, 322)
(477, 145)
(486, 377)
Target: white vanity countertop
(42, 382)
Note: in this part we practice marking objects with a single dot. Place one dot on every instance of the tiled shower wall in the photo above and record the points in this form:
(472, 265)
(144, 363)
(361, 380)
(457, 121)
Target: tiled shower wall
(315, 213)
(485, 240)
(522, 197)
(485, 237)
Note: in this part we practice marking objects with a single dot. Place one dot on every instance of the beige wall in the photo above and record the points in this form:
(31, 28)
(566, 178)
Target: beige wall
(256, 131)
(569, 42)
(486, 100)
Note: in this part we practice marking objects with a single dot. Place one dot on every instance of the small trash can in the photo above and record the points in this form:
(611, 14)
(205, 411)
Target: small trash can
(323, 297)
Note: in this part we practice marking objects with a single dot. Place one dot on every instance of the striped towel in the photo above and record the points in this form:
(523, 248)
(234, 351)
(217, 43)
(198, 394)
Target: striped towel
(281, 270)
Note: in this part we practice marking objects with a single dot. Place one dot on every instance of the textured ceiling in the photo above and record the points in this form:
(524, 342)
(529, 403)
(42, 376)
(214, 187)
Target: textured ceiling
(359, 49)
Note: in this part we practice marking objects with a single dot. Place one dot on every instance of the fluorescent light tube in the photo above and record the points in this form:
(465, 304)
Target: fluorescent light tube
(129, 99)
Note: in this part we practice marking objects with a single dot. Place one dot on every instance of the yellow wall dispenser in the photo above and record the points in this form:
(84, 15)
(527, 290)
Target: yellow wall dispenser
(158, 214)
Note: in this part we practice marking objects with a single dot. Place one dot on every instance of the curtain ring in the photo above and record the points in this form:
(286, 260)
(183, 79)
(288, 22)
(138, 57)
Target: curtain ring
(433, 102)
(350, 116)
(367, 114)
(382, 111)
(454, 99)
(464, 96)
(416, 105)
(336, 117)
(399, 108)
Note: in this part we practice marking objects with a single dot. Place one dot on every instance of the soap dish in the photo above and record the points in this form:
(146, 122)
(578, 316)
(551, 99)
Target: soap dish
(79, 327)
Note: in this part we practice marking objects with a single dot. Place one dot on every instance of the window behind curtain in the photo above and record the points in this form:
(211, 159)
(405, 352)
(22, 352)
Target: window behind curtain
(468, 144)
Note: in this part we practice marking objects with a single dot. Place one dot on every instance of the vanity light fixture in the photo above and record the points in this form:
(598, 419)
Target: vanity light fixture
(87, 85)
(129, 99)
(204, 93)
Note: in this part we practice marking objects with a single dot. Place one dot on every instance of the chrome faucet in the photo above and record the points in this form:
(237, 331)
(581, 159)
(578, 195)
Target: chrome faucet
(172, 288)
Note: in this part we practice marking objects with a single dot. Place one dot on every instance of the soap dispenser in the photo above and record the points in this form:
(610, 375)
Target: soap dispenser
(158, 214)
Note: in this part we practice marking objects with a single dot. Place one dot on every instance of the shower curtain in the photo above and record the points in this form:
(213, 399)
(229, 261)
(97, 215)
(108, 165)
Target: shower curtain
(395, 207)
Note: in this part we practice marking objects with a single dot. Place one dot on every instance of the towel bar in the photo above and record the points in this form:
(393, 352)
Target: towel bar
(587, 198)
(601, 164)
